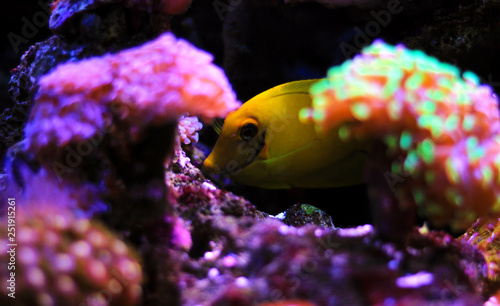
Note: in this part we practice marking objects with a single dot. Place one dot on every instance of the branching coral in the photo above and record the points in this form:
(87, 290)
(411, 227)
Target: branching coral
(63, 260)
(440, 130)
(188, 129)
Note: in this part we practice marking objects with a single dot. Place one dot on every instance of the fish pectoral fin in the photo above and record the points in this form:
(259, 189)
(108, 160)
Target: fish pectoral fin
(217, 125)
(291, 153)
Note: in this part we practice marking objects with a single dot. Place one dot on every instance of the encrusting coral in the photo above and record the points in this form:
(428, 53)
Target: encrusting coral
(433, 134)
(235, 257)
(63, 260)
(273, 262)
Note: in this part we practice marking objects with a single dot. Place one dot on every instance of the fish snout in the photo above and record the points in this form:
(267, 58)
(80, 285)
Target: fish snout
(209, 167)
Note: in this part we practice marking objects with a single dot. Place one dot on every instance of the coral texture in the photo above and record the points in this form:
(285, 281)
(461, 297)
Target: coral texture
(196, 199)
(440, 130)
(270, 262)
(236, 257)
(301, 214)
(143, 86)
(63, 260)
(188, 128)
(484, 234)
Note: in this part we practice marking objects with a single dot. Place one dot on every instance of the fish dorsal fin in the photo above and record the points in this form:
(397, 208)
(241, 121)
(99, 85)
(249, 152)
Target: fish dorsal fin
(295, 87)
(217, 125)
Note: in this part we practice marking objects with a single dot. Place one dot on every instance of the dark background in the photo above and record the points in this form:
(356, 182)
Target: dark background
(11, 16)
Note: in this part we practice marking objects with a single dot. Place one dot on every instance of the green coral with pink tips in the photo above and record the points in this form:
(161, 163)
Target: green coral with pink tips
(439, 129)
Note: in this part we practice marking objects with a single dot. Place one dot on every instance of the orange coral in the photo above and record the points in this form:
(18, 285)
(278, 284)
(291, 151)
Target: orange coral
(441, 130)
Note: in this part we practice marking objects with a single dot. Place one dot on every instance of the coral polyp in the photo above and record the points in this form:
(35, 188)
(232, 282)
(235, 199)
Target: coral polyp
(64, 260)
(188, 129)
(439, 128)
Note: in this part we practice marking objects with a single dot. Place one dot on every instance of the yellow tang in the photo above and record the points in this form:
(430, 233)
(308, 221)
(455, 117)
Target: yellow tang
(264, 144)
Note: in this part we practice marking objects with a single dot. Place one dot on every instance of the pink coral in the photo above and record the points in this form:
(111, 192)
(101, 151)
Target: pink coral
(188, 129)
(150, 85)
(63, 260)
(441, 129)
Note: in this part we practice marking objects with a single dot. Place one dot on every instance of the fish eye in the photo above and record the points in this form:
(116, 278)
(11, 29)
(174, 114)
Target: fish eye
(248, 131)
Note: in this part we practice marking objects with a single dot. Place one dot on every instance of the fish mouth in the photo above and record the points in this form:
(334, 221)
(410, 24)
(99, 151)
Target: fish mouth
(214, 169)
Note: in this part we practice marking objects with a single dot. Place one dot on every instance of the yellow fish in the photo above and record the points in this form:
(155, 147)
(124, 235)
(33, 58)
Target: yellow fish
(264, 144)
